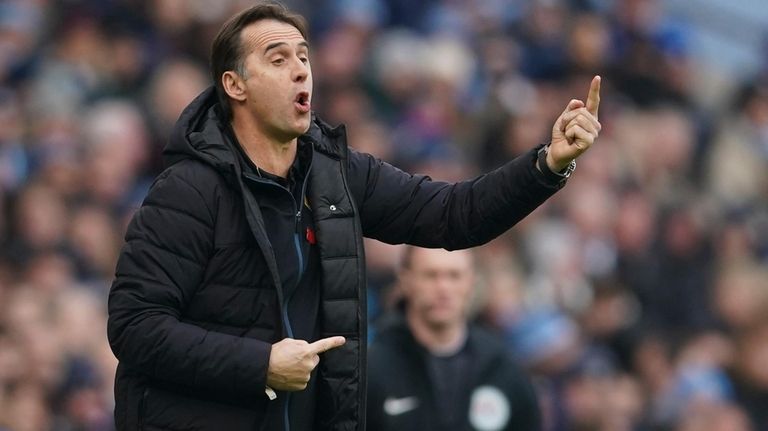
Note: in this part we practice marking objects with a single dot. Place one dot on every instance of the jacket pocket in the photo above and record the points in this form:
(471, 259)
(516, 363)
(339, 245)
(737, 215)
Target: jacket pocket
(181, 411)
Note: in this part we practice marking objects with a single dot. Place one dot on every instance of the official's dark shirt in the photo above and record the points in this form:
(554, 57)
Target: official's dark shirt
(448, 375)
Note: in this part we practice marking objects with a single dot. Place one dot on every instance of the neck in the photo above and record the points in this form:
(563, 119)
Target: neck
(269, 153)
(438, 339)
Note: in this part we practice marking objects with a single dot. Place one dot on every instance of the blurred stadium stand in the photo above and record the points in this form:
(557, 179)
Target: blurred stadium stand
(637, 297)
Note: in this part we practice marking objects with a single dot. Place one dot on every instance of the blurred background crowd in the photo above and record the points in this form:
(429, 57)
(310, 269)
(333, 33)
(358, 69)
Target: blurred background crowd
(637, 297)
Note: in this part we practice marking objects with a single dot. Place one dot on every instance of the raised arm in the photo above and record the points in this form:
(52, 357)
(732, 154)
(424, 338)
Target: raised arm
(397, 207)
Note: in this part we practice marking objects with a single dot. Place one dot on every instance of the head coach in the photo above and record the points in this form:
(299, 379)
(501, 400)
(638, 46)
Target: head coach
(239, 296)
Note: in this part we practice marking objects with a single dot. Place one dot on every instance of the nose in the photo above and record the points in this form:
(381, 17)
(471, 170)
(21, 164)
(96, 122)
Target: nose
(444, 285)
(300, 71)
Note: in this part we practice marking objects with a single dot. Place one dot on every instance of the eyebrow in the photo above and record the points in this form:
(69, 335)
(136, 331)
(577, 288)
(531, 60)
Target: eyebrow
(277, 44)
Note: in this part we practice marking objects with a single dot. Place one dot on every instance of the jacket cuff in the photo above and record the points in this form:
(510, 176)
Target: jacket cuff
(548, 179)
(253, 378)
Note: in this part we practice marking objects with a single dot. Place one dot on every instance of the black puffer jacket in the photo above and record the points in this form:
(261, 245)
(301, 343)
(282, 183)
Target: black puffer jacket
(197, 298)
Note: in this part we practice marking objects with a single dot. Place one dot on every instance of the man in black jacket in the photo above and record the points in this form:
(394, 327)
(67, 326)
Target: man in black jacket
(430, 370)
(239, 297)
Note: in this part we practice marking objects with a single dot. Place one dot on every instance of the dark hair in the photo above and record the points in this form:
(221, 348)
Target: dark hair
(227, 49)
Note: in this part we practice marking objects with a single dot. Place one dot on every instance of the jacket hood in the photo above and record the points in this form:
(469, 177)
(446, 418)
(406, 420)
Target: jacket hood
(201, 133)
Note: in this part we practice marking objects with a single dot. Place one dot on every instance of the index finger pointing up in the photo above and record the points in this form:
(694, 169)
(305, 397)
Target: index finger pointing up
(593, 100)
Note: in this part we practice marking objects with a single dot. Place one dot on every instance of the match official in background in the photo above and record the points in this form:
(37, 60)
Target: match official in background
(430, 369)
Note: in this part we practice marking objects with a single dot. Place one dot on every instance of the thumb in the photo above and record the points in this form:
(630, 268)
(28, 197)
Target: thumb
(573, 104)
(325, 344)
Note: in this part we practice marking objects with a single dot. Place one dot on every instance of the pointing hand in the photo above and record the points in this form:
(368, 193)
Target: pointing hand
(575, 130)
(292, 361)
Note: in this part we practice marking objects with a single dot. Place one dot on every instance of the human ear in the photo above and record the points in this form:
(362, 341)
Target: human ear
(233, 85)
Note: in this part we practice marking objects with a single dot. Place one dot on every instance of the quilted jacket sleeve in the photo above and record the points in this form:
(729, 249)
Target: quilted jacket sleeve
(160, 267)
(397, 207)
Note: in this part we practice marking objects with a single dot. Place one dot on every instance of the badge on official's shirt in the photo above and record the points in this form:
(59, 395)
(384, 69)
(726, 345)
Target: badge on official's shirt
(488, 409)
(398, 406)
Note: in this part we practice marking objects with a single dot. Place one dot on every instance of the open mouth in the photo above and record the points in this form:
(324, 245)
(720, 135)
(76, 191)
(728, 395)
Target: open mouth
(302, 102)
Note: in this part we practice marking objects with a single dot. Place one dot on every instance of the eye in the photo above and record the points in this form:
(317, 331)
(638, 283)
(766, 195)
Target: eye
(278, 61)
(304, 60)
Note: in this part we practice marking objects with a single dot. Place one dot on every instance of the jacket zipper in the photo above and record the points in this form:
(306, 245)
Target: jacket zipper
(142, 405)
(300, 256)
(289, 329)
(297, 246)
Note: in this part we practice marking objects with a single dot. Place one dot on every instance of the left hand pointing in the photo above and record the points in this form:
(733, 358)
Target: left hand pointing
(575, 130)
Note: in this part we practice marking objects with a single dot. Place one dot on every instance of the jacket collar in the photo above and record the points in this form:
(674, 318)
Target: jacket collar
(201, 133)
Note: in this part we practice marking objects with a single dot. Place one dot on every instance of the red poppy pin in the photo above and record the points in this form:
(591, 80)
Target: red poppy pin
(311, 236)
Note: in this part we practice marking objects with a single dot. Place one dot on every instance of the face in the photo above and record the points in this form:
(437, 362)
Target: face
(277, 87)
(438, 285)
